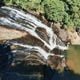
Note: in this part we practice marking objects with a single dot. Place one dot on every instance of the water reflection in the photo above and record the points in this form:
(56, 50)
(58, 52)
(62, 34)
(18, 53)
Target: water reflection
(39, 73)
(6, 56)
(24, 71)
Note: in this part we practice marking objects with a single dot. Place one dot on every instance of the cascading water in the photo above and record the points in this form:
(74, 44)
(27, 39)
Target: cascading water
(24, 21)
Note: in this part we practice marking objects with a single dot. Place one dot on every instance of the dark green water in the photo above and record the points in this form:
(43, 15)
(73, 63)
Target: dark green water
(31, 72)
(37, 73)
(28, 72)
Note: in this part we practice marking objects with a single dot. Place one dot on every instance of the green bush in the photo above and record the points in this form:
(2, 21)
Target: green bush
(54, 10)
(73, 11)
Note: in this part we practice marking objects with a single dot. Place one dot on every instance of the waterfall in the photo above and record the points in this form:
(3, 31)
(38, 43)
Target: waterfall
(38, 49)
(18, 19)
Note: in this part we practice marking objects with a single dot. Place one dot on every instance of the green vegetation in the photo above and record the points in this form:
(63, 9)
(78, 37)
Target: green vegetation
(54, 10)
(67, 12)
(26, 4)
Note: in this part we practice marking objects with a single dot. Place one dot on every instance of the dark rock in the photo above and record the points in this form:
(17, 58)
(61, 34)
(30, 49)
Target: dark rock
(5, 56)
(2, 3)
(78, 30)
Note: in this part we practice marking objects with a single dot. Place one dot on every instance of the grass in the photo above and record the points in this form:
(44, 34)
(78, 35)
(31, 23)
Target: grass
(74, 58)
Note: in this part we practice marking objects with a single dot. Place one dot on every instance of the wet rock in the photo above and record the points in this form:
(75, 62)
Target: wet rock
(78, 30)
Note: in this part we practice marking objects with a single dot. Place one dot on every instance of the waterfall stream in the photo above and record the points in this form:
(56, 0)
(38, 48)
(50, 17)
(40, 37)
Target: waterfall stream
(18, 19)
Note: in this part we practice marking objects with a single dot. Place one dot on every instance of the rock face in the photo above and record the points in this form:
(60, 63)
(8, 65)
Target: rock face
(63, 35)
(8, 34)
(74, 37)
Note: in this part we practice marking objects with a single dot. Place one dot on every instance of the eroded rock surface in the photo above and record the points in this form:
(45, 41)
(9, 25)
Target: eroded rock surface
(8, 34)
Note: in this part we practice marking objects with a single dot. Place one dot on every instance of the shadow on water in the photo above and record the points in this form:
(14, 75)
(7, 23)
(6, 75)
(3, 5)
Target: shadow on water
(66, 75)
(30, 72)
(41, 73)
(70, 75)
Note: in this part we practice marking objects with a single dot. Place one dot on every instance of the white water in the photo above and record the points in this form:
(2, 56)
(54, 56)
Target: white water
(16, 15)
(38, 49)
(29, 23)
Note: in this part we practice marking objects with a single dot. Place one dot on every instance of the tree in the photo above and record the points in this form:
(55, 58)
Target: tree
(73, 11)
(64, 11)
(54, 10)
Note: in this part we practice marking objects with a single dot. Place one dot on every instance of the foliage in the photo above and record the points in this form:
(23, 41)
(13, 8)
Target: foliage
(26, 4)
(66, 12)
(54, 10)
(73, 10)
